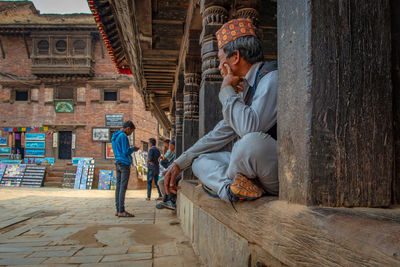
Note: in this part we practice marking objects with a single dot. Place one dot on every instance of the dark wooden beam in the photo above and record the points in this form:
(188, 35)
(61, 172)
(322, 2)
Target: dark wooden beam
(167, 21)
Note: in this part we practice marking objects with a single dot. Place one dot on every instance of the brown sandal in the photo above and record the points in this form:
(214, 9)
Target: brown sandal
(125, 214)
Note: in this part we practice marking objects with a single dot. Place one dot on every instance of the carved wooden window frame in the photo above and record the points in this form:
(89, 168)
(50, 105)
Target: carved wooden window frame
(57, 90)
(13, 96)
(103, 90)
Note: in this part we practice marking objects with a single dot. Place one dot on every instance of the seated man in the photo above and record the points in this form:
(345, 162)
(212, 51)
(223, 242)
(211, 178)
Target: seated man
(249, 105)
(169, 200)
(169, 156)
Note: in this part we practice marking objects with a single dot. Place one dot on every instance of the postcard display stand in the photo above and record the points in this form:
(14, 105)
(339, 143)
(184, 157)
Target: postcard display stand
(33, 176)
(69, 179)
(84, 174)
(107, 180)
(13, 175)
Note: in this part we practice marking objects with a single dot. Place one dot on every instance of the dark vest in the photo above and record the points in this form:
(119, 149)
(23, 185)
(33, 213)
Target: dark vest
(264, 69)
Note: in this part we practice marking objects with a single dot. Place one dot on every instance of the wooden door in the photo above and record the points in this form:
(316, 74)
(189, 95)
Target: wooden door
(64, 148)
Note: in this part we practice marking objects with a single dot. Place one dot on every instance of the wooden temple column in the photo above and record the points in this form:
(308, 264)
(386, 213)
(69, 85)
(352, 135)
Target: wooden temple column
(335, 117)
(395, 9)
(214, 15)
(179, 118)
(192, 76)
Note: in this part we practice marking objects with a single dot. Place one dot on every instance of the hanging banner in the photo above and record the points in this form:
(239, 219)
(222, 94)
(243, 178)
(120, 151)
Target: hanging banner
(55, 139)
(35, 144)
(35, 136)
(64, 106)
(3, 141)
(35, 152)
(73, 141)
(5, 150)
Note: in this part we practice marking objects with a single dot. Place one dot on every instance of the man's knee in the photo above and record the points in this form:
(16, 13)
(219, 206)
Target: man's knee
(249, 143)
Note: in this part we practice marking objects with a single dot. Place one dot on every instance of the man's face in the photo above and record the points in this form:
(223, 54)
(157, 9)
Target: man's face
(128, 131)
(224, 60)
(171, 147)
(166, 145)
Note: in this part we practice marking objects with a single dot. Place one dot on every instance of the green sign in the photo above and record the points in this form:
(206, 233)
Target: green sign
(64, 106)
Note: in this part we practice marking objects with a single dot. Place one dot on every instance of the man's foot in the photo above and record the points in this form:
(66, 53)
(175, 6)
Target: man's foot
(169, 205)
(159, 206)
(116, 213)
(125, 214)
(147, 198)
(159, 198)
(243, 188)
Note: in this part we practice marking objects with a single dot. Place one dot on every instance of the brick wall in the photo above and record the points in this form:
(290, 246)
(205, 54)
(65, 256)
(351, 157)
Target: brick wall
(90, 113)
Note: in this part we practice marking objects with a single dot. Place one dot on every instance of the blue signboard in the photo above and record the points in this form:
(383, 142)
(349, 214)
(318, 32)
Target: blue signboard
(5, 150)
(6, 161)
(3, 141)
(35, 152)
(39, 161)
(35, 136)
(35, 144)
(75, 161)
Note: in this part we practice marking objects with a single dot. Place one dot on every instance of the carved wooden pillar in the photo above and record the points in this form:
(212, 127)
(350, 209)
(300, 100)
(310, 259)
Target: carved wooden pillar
(335, 121)
(395, 9)
(192, 78)
(179, 118)
(173, 125)
(209, 107)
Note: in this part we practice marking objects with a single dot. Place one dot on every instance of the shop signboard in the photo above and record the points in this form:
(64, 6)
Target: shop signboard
(5, 150)
(114, 120)
(35, 152)
(75, 161)
(109, 151)
(35, 136)
(64, 106)
(39, 161)
(3, 141)
(35, 144)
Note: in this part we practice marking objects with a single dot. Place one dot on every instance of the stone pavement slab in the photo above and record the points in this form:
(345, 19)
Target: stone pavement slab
(63, 227)
(145, 263)
(74, 259)
(127, 257)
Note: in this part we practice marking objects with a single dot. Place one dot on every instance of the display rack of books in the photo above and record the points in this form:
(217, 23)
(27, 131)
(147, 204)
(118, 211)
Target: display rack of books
(84, 174)
(105, 177)
(90, 175)
(33, 176)
(2, 170)
(69, 179)
(13, 175)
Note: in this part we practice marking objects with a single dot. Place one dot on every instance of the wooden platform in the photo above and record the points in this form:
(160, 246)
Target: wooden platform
(288, 234)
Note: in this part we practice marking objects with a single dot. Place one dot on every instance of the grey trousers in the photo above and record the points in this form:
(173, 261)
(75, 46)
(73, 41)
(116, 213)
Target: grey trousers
(255, 156)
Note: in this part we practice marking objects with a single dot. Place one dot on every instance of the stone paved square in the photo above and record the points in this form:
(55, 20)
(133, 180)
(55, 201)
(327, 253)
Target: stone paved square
(49, 226)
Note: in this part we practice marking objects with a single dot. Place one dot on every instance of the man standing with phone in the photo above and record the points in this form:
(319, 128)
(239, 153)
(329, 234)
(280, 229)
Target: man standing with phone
(122, 152)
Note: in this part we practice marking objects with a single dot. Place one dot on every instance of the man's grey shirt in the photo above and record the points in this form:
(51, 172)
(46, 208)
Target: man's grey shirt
(239, 119)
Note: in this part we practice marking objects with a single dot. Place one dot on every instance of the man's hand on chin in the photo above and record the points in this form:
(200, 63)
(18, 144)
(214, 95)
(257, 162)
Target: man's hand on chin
(230, 79)
(170, 179)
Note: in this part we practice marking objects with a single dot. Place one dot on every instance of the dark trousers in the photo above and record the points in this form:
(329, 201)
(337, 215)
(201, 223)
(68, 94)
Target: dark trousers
(152, 174)
(123, 172)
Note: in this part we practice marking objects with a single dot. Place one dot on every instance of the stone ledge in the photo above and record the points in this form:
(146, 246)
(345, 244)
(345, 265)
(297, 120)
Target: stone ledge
(291, 234)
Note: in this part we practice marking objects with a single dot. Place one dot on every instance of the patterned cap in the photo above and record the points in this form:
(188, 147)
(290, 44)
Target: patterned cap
(234, 29)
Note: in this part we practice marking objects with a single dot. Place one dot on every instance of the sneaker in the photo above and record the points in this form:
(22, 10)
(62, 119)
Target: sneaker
(169, 205)
(159, 206)
(242, 187)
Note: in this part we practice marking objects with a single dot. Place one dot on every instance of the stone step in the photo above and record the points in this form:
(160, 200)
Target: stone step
(52, 184)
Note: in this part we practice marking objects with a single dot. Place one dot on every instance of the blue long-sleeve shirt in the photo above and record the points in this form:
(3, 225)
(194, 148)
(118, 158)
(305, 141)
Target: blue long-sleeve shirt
(120, 145)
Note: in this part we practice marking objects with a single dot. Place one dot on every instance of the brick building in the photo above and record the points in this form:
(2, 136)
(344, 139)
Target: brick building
(57, 78)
